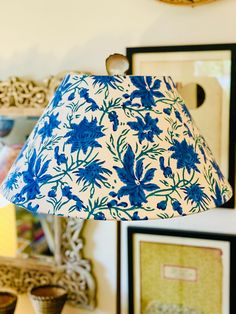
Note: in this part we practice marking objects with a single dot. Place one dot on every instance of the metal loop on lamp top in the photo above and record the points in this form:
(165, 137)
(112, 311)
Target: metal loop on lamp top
(116, 147)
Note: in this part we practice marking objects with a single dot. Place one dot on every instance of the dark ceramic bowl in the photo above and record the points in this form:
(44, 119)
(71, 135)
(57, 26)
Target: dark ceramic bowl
(7, 302)
(6, 126)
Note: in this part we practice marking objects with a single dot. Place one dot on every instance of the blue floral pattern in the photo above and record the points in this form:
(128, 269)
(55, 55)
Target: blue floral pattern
(136, 182)
(147, 90)
(146, 128)
(185, 155)
(84, 135)
(116, 147)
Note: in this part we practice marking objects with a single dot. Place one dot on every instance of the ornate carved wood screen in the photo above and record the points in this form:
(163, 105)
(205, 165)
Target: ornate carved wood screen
(28, 97)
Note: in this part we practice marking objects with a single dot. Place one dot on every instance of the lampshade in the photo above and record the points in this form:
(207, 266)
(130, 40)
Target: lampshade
(116, 147)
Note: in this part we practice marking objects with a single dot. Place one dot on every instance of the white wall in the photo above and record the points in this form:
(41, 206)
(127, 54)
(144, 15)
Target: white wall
(43, 37)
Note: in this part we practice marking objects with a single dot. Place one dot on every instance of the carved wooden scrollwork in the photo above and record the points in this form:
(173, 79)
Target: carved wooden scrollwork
(27, 97)
(21, 278)
(22, 93)
(77, 275)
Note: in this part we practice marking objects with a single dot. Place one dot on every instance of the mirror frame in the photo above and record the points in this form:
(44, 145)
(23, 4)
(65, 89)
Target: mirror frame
(69, 268)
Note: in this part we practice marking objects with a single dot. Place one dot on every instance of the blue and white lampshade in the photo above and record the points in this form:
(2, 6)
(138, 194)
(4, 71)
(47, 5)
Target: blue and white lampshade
(116, 147)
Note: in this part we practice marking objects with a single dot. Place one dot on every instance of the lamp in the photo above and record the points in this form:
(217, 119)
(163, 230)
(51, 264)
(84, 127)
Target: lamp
(116, 147)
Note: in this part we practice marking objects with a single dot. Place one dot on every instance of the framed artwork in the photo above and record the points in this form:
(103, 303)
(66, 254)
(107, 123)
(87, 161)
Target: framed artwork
(205, 76)
(180, 272)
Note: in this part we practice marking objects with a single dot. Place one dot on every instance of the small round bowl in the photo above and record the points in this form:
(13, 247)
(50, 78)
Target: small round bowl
(8, 302)
(48, 299)
(6, 126)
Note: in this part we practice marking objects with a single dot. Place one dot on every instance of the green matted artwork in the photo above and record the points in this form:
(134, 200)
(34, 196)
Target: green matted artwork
(173, 272)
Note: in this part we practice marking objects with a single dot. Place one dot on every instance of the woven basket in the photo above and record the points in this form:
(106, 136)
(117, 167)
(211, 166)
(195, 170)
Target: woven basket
(7, 302)
(48, 299)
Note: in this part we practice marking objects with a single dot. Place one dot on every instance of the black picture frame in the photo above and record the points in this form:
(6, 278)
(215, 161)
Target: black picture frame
(231, 239)
(132, 51)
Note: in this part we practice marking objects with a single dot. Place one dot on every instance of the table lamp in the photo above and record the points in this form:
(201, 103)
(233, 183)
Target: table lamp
(116, 147)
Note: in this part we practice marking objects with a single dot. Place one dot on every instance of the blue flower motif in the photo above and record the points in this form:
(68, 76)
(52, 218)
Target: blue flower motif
(84, 135)
(52, 193)
(113, 194)
(93, 173)
(60, 91)
(66, 191)
(136, 217)
(79, 203)
(33, 209)
(72, 95)
(203, 153)
(60, 158)
(167, 83)
(18, 198)
(188, 130)
(146, 90)
(185, 155)
(178, 116)
(194, 194)
(146, 128)
(114, 203)
(166, 170)
(129, 103)
(113, 117)
(167, 111)
(49, 126)
(123, 204)
(99, 216)
(177, 207)
(186, 111)
(12, 179)
(218, 196)
(162, 205)
(106, 81)
(84, 94)
(135, 182)
(217, 169)
(34, 176)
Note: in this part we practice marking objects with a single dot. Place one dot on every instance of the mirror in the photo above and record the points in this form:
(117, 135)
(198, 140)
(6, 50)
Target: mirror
(34, 234)
(36, 249)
